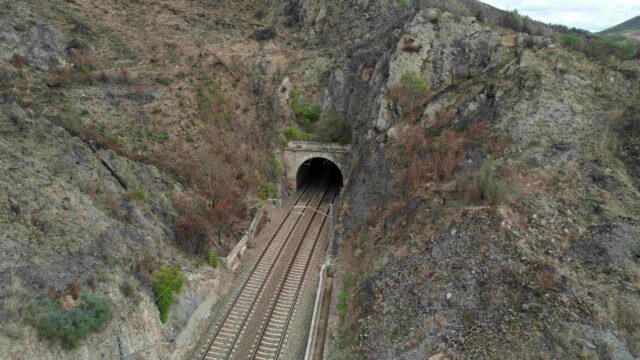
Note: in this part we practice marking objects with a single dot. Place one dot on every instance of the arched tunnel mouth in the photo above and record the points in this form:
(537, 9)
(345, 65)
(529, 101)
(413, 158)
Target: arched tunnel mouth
(318, 170)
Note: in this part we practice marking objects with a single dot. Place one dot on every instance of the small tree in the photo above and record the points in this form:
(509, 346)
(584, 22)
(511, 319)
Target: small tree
(165, 281)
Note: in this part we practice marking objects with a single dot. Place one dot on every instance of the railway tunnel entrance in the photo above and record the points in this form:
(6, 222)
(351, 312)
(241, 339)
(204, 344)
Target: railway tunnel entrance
(318, 169)
(305, 159)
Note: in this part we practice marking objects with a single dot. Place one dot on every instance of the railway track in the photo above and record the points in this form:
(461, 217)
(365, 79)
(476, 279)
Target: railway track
(280, 270)
(275, 328)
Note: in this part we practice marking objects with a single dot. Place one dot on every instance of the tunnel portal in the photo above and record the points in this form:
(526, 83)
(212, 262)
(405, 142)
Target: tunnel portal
(318, 168)
(302, 153)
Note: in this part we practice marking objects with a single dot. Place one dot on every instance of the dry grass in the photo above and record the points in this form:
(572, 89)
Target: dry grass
(628, 315)
(14, 302)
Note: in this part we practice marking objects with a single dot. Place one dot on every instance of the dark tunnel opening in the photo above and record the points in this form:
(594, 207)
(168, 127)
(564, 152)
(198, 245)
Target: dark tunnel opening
(318, 169)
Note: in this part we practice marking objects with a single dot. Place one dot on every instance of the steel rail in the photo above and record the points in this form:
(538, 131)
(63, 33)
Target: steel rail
(244, 285)
(300, 282)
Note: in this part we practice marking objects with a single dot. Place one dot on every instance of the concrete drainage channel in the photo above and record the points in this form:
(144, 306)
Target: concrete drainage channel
(320, 317)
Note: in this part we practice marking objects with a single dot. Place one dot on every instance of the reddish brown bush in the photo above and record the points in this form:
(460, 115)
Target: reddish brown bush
(73, 289)
(116, 207)
(442, 117)
(124, 75)
(546, 278)
(61, 76)
(193, 233)
(90, 187)
(195, 224)
(415, 147)
(447, 154)
(425, 157)
(82, 62)
(147, 263)
(410, 46)
(18, 61)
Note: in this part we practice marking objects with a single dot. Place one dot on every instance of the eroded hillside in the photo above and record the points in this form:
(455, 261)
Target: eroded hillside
(134, 135)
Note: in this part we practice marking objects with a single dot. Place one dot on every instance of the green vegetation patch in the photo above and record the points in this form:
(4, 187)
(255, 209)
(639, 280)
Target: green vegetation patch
(333, 128)
(599, 47)
(165, 281)
(411, 93)
(487, 181)
(341, 306)
(267, 190)
(211, 258)
(306, 114)
(294, 132)
(138, 193)
(69, 326)
(406, 3)
(312, 125)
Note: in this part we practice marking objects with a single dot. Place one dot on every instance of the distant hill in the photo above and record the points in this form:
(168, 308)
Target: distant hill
(629, 29)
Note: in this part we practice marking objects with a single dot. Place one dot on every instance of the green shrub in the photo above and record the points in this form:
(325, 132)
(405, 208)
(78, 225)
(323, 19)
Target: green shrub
(260, 14)
(162, 137)
(599, 47)
(306, 114)
(109, 135)
(138, 193)
(224, 118)
(211, 258)
(267, 190)
(68, 326)
(333, 128)
(341, 306)
(571, 40)
(626, 50)
(276, 166)
(521, 23)
(406, 3)
(412, 93)
(294, 133)
(128, 289)
(513, 20)
(488, 184)
(413, 82)
(163, 81)
(165, 281)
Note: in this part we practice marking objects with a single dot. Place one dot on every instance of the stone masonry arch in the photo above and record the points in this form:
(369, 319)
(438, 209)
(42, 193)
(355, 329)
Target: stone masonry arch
(297, 153)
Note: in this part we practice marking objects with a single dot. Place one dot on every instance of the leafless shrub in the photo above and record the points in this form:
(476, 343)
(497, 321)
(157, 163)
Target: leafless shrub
(124, 76)
(62, 75)
(410, 46)
(18, 61)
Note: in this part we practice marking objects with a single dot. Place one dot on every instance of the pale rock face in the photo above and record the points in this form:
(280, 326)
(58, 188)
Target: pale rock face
(440, 53)
(284, 93)
(25, 33)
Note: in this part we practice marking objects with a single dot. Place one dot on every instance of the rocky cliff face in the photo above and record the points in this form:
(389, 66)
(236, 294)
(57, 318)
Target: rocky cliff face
(550, 269)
